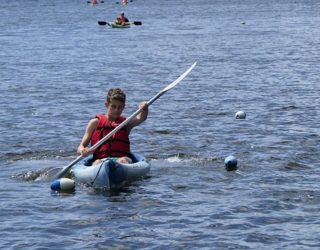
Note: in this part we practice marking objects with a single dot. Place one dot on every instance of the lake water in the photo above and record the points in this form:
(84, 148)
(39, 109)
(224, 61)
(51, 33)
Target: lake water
(262, 57)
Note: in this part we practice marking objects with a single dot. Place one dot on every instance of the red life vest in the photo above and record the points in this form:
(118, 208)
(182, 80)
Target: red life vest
(117, 146)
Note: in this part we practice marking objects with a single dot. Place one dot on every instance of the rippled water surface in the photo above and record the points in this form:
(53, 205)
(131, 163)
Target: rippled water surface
(262, 57)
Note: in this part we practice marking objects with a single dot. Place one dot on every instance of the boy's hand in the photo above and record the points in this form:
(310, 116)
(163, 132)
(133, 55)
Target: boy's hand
(143, 106)
(84, 151)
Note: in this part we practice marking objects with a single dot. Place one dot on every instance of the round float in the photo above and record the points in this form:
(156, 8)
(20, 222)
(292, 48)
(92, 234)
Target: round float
(240, 115)
(63, 184)
(231, 163)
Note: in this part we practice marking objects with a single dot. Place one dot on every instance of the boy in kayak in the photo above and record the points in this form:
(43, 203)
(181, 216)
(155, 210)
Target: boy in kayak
(118, 146)
(122, 19)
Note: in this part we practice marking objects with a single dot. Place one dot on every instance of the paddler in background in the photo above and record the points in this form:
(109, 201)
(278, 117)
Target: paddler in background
(122, 19)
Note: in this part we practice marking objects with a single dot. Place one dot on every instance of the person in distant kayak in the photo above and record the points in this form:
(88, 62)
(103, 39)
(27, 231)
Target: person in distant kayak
(122, 19)
(118, 146)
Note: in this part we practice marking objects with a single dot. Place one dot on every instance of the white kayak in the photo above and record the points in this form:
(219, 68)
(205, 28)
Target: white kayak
(109, 173)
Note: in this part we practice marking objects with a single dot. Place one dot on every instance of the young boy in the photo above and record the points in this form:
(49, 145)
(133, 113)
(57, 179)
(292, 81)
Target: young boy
(118, 146)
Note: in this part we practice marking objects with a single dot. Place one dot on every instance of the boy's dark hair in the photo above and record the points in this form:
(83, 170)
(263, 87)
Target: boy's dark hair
(116, 94)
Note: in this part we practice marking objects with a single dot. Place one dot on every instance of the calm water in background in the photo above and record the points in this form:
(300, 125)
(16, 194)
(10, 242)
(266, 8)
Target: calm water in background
(262, 57)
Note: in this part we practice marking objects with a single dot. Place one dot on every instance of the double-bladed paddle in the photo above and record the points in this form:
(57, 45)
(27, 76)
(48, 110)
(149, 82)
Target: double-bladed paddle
(61, 173)
(108, 23)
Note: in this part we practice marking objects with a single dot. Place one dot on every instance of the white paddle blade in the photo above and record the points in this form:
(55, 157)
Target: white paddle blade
(170, 86)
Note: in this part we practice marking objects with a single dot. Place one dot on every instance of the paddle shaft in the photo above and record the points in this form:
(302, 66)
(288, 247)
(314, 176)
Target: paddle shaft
(125, 122)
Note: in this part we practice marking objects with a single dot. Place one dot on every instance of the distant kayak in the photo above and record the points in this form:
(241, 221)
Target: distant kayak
(115, 25)
(93, 2)
(120, 26)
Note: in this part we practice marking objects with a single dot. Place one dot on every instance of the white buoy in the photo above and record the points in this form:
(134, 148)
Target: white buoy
(63, 184)
(240, 115)
(231, 163)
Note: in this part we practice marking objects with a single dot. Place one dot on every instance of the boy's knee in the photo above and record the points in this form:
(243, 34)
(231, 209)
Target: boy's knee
(124, 159)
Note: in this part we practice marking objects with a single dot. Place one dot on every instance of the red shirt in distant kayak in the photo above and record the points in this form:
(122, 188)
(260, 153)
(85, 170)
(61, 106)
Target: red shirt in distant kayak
(122, 19)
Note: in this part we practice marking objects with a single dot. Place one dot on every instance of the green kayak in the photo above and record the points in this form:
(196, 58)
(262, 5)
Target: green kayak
(115, 25)
(120, 26)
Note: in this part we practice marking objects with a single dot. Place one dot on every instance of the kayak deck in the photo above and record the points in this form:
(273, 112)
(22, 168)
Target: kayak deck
(109, 173)
(119, 26)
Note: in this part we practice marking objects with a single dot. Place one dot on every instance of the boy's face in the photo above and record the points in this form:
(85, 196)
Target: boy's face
(115, 108)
